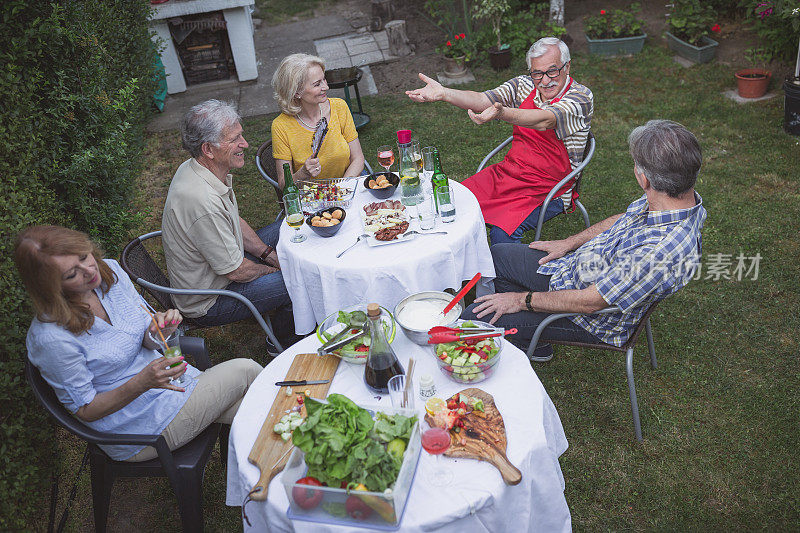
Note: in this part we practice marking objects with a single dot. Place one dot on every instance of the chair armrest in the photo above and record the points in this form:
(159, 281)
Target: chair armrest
(552, 318)
(196, 347)
(220, 292)
(493, 152)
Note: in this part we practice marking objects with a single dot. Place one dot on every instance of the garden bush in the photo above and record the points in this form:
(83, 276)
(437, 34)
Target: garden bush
(777, 24)
(77, 82)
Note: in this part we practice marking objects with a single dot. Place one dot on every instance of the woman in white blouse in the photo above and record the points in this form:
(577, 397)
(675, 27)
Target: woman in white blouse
(89, 341)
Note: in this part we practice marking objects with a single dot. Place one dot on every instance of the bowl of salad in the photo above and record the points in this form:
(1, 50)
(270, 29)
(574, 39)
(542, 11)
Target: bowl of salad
(353, 317)
(469, 361)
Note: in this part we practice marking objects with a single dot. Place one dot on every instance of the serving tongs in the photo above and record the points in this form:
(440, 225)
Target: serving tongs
(342, 339)
(439, 338)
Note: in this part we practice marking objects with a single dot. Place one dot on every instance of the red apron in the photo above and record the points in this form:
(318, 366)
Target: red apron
(508, 191)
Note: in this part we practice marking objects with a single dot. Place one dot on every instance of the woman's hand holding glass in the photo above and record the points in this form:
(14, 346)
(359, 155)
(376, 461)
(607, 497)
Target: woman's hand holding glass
(159, 374)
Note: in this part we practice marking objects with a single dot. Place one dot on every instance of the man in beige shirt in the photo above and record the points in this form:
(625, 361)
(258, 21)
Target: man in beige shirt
(207, 245)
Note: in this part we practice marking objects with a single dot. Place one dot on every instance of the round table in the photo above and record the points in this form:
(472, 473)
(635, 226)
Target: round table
(319, 283)
(476, 500)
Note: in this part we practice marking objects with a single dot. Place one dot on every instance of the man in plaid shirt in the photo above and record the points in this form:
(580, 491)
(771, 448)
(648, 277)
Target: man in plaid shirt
(631, 260)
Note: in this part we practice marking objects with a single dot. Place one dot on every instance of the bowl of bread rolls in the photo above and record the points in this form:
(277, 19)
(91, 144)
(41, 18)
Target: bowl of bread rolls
(382, 184)
(327, 222)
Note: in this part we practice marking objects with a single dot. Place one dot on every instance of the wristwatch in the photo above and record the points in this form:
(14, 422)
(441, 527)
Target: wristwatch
(266, 252)
(528, 300)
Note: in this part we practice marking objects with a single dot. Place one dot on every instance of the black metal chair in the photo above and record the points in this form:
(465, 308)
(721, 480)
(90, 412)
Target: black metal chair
(143, 270)
(577, 173)
(627, 348)
(265, 163)
(183, 467)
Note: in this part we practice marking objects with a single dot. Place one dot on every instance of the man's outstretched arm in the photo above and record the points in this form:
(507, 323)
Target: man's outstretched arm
(433, 91)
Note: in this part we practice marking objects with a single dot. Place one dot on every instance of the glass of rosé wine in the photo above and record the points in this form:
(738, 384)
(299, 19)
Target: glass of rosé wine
(386, 156)
(436, 441)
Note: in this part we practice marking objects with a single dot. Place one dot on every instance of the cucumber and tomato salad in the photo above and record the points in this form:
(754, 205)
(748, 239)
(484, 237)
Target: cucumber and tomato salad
(468, 357)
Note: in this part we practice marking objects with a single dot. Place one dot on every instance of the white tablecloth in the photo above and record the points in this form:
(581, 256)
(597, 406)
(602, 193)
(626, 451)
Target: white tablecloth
(476, 500)
(320, 284)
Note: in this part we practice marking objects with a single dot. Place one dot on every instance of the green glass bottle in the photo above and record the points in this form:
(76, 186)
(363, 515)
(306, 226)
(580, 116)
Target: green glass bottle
(288, 183)
(439, 178)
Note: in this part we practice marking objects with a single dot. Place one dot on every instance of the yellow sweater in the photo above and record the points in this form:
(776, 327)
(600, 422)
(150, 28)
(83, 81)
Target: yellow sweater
(292, 142)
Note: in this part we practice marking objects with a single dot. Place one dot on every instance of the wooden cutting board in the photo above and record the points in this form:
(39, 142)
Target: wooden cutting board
(484, 438)
(270, 452)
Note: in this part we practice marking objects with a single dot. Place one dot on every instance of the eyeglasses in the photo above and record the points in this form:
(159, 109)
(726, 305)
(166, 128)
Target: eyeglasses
(551, 73)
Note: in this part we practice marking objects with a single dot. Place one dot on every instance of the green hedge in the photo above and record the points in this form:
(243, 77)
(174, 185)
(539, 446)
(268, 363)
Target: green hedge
(76, 82)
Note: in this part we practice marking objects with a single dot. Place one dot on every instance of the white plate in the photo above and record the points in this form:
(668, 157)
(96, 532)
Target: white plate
(372, 241)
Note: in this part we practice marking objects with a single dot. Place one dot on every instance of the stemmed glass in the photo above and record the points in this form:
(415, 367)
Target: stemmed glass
(416, 154)
(294, 215)
(436, 441)
(385, 156)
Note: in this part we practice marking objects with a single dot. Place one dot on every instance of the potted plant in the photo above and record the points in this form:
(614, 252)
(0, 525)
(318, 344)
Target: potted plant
(753, 82)
(457, 52)
(617, 32)
(493, 11)
(689, 24)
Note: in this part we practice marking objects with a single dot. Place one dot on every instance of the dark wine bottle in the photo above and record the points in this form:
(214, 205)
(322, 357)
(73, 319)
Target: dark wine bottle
(382, 363)
(288, 183)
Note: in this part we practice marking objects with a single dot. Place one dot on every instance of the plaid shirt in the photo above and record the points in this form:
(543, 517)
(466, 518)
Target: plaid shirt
(643, 258)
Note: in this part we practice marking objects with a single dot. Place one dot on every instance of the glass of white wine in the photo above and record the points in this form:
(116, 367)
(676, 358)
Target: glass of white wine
(294, 215)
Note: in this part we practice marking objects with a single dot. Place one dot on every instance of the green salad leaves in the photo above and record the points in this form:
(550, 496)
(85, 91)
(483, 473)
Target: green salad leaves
(343, 443)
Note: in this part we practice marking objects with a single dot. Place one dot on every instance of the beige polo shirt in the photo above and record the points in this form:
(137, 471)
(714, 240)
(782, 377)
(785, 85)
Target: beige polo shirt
(202, 237)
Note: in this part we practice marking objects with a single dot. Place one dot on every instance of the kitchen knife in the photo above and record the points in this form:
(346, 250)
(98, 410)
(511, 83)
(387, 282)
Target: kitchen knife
(300, 383)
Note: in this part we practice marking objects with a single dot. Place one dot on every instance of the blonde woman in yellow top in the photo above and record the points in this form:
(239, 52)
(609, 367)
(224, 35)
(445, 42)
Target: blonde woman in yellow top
(301, 91)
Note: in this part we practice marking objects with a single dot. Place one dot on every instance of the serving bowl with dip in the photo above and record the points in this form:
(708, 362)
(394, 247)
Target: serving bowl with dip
(419, 312)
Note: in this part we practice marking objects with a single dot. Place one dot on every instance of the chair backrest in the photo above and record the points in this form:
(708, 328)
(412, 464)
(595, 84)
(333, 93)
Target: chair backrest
(642, 323)
(588, 153)
(137, 263)
(47, 397)
(265, 164)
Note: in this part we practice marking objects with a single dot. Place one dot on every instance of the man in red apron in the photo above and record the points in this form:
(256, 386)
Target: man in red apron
(551, 114)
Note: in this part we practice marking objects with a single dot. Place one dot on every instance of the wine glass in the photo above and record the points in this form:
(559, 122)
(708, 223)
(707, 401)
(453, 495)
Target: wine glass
(436, 441)
(427, 168)
(294, 215)
(385, 156)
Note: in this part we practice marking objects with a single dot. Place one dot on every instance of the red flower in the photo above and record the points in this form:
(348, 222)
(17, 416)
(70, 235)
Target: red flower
(602, 11)
(449, 43)
(715, 28)
(456, 37)
(463, 36)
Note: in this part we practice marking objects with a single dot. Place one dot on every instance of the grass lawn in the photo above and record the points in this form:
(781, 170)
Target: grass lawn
(719, 415)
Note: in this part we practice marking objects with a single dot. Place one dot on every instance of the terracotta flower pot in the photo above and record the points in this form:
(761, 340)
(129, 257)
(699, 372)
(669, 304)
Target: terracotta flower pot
(455, 67)
(752, 82)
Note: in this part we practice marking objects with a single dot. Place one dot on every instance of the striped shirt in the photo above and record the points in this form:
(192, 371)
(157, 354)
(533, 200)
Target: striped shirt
(643, 258)
(573, 112)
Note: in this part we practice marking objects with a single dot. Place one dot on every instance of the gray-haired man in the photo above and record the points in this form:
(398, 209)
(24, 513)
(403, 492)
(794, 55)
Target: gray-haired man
(551, 114)
(207, 245)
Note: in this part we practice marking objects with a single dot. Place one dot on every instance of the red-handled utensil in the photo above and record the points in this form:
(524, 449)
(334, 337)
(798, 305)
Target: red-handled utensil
(457, 298)
(439, 338)
(460, 331)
